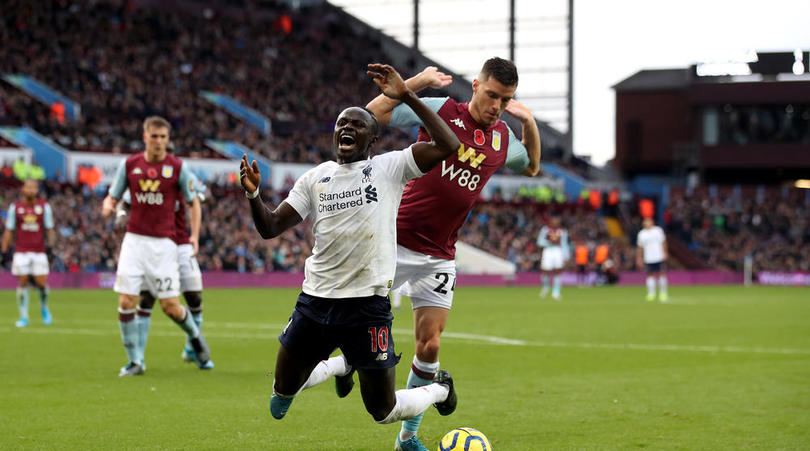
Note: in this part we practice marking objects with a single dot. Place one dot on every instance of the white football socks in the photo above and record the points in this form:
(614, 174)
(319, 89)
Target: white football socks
(650, 286)
(333, 366)
(412, 402)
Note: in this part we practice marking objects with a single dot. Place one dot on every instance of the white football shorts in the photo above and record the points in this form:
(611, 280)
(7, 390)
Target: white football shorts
(552, 258)
(428, 280)
(190, 274)
(147, 263)
(30, 264)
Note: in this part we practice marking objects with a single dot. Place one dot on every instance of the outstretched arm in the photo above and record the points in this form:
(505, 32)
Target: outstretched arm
(382, 105)
(269, 223)
(531, 135)
(426, 154)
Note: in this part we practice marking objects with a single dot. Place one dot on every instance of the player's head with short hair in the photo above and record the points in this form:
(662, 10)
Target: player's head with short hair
(648, 222)
(30, 189)
(156, 134)
(356, 131)
(492, 90)
(156, 121)
(500, 69)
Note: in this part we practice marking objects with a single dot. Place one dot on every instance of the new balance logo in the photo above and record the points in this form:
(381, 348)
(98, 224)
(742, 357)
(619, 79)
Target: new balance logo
(371, 194)
(459, 123)
(381, 356)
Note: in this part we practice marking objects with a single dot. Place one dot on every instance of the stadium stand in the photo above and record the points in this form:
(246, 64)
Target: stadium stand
(724, 224)
(123, 64)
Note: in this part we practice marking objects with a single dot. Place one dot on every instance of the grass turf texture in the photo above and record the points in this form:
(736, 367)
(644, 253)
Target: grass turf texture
(715, 368)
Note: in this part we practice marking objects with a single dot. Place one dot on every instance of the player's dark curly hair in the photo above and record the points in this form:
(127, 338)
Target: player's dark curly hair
(503, 70)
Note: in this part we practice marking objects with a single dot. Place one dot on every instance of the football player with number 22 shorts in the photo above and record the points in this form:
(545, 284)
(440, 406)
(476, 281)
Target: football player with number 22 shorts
(148, 257)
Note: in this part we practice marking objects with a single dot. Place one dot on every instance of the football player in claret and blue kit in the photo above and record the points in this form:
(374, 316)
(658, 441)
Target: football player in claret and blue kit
(148, 257)
(29, 224)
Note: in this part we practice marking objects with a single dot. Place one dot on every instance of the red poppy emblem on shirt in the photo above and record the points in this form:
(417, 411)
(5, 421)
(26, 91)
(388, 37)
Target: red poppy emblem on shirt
(151, 173)
(478, 137)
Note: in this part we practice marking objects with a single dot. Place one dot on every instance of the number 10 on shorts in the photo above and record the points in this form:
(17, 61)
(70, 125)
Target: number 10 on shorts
(379, 338)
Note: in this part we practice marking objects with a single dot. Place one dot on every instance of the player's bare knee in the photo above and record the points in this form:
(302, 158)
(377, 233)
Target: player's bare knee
(427, 350)
(171, 306)
(127, 302)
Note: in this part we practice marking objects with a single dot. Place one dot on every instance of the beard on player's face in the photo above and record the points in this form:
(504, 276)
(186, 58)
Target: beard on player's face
(30, 190)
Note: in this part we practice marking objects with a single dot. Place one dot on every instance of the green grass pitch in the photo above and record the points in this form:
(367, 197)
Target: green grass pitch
(715, 368)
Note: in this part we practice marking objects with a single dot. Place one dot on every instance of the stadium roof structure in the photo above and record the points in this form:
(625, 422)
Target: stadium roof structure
(653, 80)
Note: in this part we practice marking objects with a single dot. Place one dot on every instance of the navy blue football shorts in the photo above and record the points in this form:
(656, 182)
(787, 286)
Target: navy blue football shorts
(360, 327)
(656, 267)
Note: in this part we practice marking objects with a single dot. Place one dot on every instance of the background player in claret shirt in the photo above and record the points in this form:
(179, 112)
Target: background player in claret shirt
(553, 239)
(30, 219)
(652, 253)
(148, 257)
(353, 205)
(435, 206)
(190, 274)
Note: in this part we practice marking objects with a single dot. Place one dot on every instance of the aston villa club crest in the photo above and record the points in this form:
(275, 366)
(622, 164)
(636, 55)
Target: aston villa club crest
(167, 171)
(478, 137)
(496, 140)
(37, 209)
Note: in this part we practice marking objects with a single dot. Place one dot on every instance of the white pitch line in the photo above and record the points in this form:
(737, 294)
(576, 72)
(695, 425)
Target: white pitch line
(456, 336)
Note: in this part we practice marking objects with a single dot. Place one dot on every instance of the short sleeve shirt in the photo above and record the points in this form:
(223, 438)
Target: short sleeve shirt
(353, 209)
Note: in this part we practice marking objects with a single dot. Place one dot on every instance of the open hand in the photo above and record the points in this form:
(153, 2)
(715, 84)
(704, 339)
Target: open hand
(434, 78)
(388, 79)
(249, 174)
(520, 111)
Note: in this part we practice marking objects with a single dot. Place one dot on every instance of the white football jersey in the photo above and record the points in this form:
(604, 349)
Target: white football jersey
(652, 242)
(353, 208)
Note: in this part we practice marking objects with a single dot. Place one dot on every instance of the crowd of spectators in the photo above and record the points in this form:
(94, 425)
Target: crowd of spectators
(510, 230)
(228, 241)
(723, 226)
(122, 64)
(774, 228)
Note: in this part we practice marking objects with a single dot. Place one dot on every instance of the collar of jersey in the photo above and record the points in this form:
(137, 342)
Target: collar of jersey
(356, 164)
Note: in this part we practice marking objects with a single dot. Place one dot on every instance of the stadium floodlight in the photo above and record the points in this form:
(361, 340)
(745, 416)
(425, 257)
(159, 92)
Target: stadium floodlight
(802, 183)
